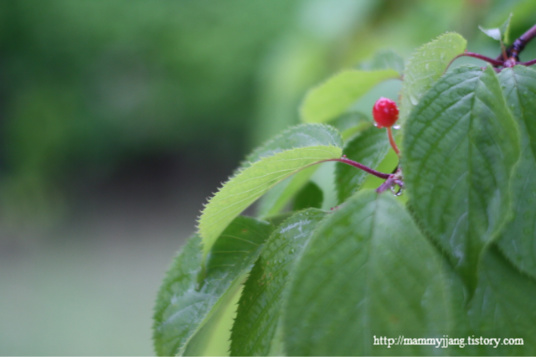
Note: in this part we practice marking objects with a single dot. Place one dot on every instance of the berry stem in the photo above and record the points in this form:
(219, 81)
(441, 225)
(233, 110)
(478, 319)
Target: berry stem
(392, 140)
(353, 163)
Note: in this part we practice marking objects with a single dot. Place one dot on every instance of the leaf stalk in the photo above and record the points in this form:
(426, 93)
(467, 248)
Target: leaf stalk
(365, 168)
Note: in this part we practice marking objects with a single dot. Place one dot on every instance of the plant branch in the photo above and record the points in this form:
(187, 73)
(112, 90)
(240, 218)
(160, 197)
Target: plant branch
(508, 58)
(395, 179)
(353, 163)
(528, 63)
(518, 45)
(521, 42)
(494, 62)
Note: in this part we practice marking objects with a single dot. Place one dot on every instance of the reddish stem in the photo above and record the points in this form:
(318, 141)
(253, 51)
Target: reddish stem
(510, 57)
(361, 166)
(528, 63)
(392, 140)
(494, 62)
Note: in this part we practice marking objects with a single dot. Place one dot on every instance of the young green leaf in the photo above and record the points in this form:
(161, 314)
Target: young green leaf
(384, 59)
(269, 165)
(366, 273)
(275, 200)
(299, 136)
(425, 67)
(368, 148)
(499, 33)
(503, 306)
(190, 297)
(259, 310)
(460, 145)
(517, 239)
(351, 123)
(333, 97)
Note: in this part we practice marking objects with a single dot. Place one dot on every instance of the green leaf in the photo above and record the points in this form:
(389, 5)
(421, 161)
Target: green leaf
(310, 196)
(259, 310)
(289, 153)
(517, 239)
(520, 90)
(425, 67)
(460, 147)
(333, 97)
(500, 33)
(170, 338)
(367, 272)
(299, 136)
(278, 198)
(351, 123)
(503, 306)
(190, 298)
(212, 339)
(368, 148)
(384, 59)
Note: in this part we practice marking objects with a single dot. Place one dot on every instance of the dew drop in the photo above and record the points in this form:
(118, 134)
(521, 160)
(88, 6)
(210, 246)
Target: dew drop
(397, 191)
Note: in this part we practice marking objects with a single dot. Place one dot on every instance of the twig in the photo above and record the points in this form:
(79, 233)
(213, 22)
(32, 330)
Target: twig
(353, 163)
(519, 44)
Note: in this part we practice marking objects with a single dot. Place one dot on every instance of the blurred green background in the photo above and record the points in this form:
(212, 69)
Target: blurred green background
(118, 118)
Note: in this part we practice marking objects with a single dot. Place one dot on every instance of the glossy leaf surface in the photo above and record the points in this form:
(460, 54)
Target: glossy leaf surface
(517, 240)
(459, 149)
(425, 67)
(367, 272)
(260, 306)
(189, 296)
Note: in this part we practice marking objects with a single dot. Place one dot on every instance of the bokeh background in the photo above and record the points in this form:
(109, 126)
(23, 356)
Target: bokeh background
(118, 118)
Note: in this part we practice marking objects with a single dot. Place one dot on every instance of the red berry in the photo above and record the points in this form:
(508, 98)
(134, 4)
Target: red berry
(385, 112)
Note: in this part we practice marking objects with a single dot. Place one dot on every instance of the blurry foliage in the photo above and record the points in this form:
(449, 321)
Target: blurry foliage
(86, 85)
(115, 77)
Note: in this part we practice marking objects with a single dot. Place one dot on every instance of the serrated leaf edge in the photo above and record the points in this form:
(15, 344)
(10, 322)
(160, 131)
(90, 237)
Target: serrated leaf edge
(203, 232)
